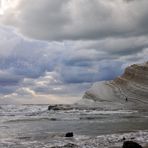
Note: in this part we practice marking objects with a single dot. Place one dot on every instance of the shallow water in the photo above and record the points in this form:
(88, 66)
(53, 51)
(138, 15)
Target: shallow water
(33, 126)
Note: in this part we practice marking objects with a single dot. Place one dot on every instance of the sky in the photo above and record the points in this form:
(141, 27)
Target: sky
(52, 51)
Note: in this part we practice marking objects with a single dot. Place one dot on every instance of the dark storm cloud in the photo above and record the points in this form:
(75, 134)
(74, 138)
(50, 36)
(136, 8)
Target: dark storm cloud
(4, 90)
(105, 70)
(4, 81)
(110, 47)
(78, 19)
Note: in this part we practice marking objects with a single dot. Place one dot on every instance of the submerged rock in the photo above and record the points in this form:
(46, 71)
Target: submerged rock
(131, 144)
(69, 145)
(53, 107)
(59, 107)
(70, 134)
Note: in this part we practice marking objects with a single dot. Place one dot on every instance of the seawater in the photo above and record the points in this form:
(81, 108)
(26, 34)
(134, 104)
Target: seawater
(33, 126)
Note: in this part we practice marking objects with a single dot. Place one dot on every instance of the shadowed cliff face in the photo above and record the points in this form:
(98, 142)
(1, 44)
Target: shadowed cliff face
(130, 89)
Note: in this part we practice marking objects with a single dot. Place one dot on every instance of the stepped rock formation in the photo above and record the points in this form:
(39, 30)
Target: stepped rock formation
(129, 90)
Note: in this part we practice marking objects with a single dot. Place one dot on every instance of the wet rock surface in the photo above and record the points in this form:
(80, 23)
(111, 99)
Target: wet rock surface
(69, 134)
(131, 144)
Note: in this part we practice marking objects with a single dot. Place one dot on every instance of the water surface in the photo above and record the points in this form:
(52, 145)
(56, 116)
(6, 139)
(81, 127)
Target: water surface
(34, 126)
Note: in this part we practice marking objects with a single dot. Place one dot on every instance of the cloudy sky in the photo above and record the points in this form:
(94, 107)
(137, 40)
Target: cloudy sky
(51, 51)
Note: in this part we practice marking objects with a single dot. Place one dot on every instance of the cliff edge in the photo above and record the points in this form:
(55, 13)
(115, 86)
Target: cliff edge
(129, 90)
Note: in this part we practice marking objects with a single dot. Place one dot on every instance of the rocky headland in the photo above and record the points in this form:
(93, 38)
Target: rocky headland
(129, 90)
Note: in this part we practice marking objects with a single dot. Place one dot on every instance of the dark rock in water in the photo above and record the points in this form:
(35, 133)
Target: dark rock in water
(53, 119)
(70, 134)
(131, 144)
(53, 107)
(60, 107)
(69, 145)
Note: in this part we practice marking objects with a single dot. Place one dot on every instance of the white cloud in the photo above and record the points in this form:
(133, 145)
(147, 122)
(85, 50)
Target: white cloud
(25, 92)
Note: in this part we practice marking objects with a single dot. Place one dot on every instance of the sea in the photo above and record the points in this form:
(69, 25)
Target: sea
(34, 126)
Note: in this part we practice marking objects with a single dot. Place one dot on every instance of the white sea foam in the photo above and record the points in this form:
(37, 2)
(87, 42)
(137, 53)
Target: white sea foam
(102, 141)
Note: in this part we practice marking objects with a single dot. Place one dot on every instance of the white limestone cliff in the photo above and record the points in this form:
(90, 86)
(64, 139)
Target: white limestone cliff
(130, 89)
